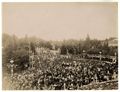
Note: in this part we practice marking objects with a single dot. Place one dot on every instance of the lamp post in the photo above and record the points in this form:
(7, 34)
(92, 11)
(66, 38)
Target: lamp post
(115, 56)
(83, 53)
(100, 55)
(32, 61)
(11, 67)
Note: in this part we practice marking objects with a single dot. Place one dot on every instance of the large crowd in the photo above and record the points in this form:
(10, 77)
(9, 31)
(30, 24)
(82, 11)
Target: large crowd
(60, 73)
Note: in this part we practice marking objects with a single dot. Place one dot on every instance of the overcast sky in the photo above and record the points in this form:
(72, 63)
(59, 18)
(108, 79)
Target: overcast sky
(58, 21)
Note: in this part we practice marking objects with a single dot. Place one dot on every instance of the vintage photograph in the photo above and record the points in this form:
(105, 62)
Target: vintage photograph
(60, 46)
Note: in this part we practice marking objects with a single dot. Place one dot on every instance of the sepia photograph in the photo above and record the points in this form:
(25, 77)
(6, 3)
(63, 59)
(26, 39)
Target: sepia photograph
(59, 46)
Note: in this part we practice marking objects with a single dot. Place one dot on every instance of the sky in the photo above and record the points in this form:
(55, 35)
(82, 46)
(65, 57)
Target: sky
(59, 21)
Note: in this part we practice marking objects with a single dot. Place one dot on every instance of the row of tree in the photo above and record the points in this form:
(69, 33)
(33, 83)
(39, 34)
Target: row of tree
(90, 46)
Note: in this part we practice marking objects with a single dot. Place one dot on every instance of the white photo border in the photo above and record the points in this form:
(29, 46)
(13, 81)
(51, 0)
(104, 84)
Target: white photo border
(59, 1)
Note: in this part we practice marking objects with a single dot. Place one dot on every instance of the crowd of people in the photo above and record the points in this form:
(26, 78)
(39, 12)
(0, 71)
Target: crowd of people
(63, 73)
(31, 63)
